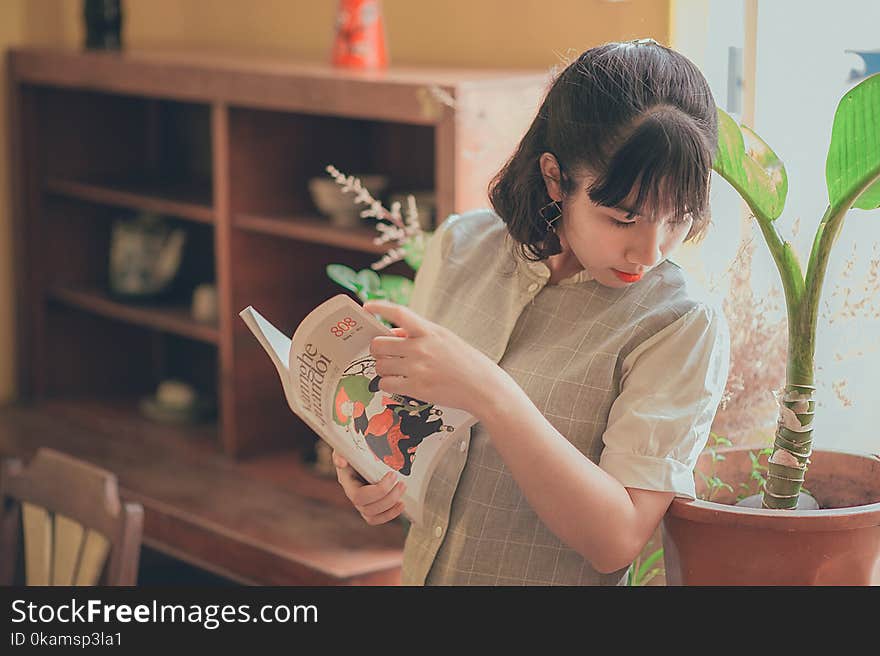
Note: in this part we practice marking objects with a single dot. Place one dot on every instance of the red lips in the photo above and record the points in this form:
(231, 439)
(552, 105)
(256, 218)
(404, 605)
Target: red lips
(627, 277)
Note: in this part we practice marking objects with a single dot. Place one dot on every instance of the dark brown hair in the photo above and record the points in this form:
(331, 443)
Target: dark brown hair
(639, 117)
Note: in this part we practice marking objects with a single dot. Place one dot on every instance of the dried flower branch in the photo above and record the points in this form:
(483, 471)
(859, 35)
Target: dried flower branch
(397, 229)
(855, 305)
(758, 346)
(839, 387)
(759, 343)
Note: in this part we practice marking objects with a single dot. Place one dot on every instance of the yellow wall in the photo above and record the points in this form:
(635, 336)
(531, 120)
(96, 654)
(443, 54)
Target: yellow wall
(490, 33)
(508, 33)
(11, 33)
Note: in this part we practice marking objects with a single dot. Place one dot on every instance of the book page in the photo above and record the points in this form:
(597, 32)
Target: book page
(277, 345)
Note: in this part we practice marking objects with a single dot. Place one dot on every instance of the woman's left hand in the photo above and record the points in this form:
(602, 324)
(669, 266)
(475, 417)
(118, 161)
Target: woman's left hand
(429, 362)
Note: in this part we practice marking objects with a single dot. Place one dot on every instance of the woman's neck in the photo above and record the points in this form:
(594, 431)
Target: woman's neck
(562, 266)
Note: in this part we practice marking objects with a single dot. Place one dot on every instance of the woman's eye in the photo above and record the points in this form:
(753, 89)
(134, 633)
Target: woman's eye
(622, 224)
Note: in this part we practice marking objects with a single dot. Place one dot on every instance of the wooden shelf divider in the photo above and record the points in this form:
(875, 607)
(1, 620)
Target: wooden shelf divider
(173, 319)
(186, 202)
(312, 229)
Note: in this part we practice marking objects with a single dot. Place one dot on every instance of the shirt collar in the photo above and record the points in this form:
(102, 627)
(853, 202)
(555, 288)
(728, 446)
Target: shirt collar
(542, 271)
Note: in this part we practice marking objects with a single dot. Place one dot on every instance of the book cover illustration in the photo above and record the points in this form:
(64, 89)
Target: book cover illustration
(330, 382)
(392, 425)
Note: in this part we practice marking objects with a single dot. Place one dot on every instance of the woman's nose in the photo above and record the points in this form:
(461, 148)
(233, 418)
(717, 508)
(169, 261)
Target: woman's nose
(645, 249)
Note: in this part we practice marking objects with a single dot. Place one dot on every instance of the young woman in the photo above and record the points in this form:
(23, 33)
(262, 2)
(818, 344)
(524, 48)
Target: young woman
(593, 365)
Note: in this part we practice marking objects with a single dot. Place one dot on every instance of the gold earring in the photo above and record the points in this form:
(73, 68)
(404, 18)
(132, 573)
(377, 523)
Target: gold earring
(545, 212)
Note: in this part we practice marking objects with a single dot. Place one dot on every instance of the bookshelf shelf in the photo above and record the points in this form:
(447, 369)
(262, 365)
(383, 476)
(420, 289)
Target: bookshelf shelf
(311, 229)
(168, 318)
(188, 201)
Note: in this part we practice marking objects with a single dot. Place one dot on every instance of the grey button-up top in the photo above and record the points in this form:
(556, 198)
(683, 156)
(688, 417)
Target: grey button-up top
(632, 377)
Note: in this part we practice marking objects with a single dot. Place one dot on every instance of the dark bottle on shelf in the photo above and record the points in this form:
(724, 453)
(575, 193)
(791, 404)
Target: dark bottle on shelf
(103, 19)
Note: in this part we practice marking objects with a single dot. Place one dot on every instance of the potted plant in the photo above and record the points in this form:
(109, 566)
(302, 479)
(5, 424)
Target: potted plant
(785, 540)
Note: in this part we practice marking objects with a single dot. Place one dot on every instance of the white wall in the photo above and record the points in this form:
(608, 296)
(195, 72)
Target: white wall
(704, 30)
(802, 72)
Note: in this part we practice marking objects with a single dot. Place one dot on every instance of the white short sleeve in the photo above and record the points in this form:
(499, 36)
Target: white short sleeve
(671, 386)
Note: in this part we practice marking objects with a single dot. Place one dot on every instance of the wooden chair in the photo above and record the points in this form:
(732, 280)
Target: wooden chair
(76, 529)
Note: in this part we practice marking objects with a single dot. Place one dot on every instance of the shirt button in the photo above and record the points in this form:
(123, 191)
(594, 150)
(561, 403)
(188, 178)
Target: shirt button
(462, 447)
(533, 286)
(438, 531)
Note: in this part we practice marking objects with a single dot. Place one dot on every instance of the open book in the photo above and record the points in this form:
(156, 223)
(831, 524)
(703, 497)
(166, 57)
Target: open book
(330, 382)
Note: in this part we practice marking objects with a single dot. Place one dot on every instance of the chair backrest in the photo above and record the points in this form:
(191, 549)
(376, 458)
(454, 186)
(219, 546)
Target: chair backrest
(76, 529)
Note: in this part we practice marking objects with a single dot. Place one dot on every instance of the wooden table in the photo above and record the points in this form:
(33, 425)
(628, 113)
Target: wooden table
(249, 521)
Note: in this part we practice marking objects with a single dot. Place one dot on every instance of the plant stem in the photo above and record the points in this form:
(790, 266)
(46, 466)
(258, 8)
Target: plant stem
(799, 365)
(782, 489)
(788, 266)
(826, 235)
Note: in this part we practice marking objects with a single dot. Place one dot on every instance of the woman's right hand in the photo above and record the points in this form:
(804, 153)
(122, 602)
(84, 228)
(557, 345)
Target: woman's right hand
(377, 503)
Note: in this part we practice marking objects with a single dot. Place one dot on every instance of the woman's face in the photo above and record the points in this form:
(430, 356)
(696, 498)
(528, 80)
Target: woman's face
(616, 247)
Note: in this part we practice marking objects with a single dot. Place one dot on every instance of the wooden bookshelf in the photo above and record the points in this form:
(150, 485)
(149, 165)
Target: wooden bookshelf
(224, 148)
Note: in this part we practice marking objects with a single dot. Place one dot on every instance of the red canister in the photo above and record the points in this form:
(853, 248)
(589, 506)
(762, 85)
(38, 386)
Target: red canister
(360, 35)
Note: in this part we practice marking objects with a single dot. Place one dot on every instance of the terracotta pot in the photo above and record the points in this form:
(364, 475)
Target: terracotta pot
(718, 543)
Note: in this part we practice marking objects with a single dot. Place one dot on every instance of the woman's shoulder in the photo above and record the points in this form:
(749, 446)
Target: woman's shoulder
(474, 227)
(676, 292)
(679, 313)
(478, 221)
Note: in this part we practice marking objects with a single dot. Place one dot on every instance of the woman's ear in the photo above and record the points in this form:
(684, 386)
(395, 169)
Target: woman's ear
(552, 175)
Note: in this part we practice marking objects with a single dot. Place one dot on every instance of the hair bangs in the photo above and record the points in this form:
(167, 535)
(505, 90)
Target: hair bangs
(659, 171)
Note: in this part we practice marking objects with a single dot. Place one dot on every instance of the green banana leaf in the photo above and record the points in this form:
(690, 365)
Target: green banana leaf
(345, 276)
(414, 250)
(367, 284)
(854, 154)
(370, 281)
(396, 288)
(757, 173)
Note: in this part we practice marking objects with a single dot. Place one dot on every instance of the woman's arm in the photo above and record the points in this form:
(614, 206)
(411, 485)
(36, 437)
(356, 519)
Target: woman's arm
(606, 517)
(584, 506)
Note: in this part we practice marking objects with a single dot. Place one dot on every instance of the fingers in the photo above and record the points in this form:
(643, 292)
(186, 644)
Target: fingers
(388, 346)
(399, 315)
(386, 508)
(391, 367)
(338, 460)
(368, 494)
(377, 503)
(348, 478)
(395, 385)
(384, 517)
